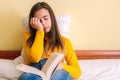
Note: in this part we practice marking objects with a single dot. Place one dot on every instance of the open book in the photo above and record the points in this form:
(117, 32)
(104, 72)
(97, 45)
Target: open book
(48, 68)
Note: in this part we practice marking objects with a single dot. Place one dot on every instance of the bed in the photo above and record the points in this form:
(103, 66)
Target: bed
(95, 64)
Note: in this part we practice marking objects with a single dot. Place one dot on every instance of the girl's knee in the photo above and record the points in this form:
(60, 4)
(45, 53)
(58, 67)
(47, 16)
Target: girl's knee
(29, 76)
(61, 75)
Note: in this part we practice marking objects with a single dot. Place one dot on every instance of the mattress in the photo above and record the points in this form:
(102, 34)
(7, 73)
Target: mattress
(100, 69)
(96, 69)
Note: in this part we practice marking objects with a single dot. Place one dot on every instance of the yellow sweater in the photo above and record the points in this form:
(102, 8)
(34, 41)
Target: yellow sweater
(34, 54)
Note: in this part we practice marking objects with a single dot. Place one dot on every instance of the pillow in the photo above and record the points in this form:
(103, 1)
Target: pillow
(21, 58)
(63, 22)
(8, 70)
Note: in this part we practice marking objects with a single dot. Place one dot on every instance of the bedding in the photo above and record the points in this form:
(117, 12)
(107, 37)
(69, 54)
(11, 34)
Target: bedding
(93, 68)
(100, 69)
(8, 70)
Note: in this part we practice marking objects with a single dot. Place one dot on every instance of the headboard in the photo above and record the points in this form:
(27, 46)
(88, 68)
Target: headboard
(81, 54)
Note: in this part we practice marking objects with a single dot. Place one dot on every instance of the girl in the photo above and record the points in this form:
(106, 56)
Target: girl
(44, 39)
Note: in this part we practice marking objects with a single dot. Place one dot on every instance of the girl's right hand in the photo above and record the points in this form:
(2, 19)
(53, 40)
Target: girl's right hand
(36, 24)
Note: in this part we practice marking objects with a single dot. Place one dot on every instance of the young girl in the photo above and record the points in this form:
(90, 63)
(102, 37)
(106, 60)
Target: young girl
(44, 39)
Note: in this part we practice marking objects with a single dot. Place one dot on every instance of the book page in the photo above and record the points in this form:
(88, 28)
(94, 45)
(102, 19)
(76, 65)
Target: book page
(52, 62)
(30, 69)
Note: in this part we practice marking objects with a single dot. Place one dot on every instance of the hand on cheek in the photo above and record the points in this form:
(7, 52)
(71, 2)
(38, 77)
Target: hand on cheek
(36, 24)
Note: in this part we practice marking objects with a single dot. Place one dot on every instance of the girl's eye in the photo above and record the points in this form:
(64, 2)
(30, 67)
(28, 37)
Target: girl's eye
(45, 18)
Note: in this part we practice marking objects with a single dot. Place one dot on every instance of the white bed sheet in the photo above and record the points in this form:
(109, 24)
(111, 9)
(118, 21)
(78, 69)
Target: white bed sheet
(100, 69)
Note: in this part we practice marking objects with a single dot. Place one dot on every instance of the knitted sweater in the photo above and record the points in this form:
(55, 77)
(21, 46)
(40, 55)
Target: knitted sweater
(34, 54)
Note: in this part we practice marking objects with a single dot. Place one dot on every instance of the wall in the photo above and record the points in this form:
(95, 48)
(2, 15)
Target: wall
(95, 23)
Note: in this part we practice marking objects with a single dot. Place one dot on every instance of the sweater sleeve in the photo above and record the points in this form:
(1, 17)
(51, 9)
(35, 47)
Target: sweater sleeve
(34, 53)
(72, 65)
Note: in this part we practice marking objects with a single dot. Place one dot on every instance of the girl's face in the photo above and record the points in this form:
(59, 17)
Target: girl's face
(45, 19)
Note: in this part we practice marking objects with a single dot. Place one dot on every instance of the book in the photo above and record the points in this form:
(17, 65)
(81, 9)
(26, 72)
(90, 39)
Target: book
(47, 70)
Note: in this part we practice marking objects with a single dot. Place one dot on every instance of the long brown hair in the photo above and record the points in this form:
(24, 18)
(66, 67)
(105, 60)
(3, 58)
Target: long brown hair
(53, 36)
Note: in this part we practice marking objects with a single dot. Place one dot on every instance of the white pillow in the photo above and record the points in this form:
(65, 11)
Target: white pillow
(63, 22)
(21, 58)
(8, 70)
